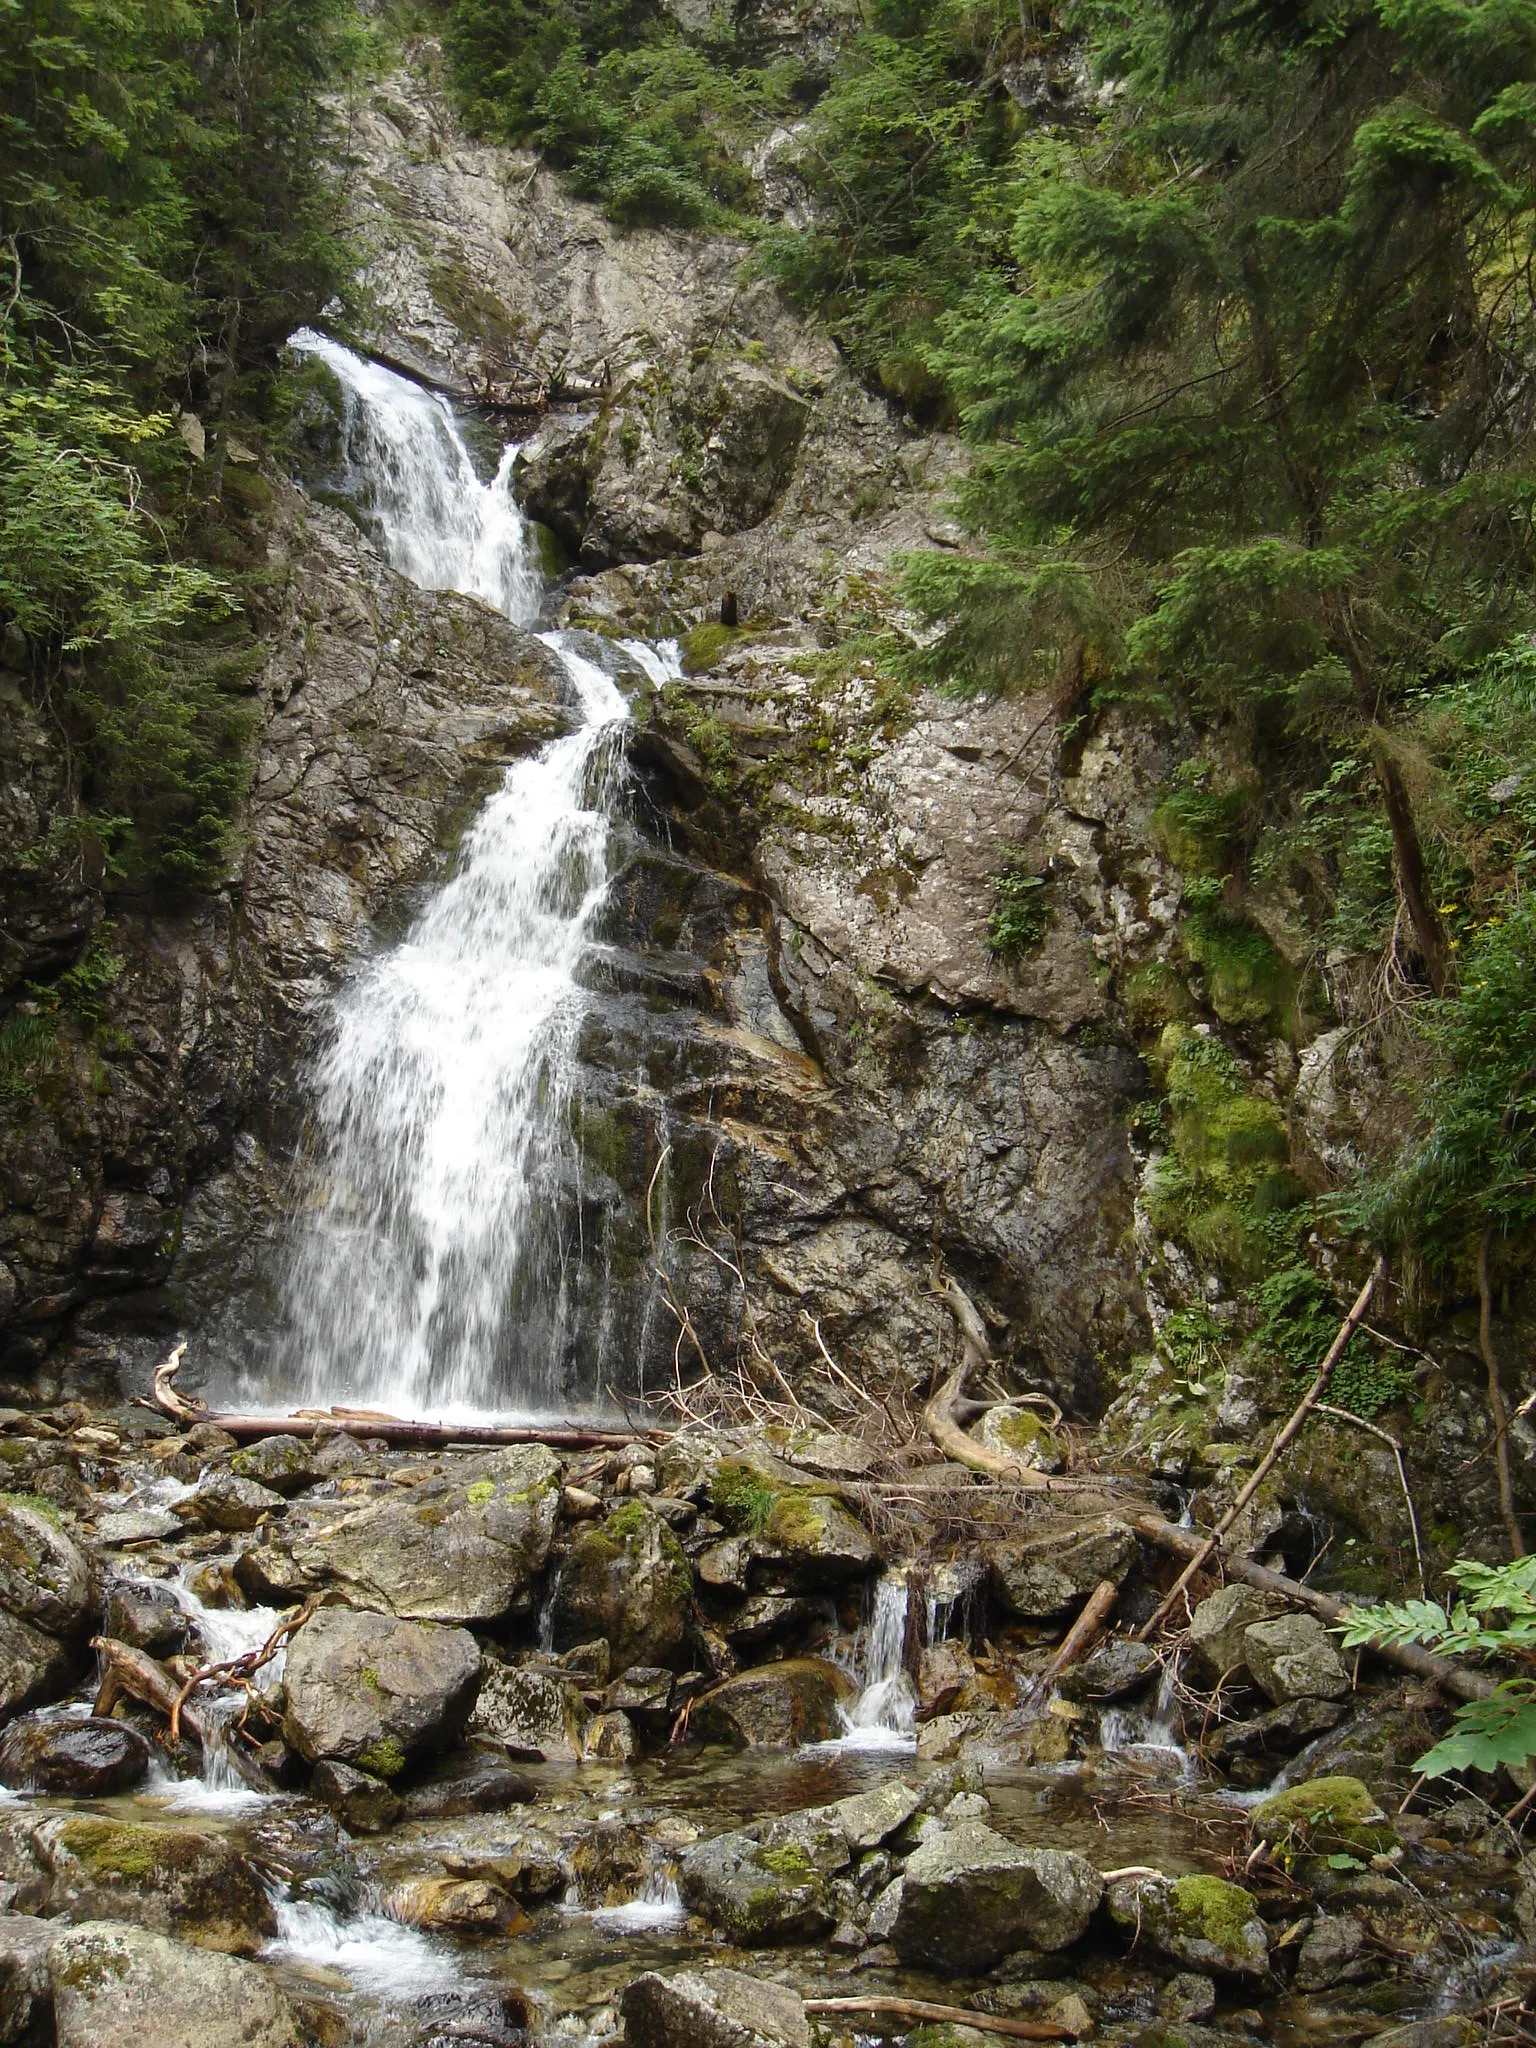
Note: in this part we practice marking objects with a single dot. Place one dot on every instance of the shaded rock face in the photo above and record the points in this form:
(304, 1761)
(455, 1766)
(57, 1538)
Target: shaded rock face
(118, 1983)
(625, 1580)
(368, 1690)
(777, 1706)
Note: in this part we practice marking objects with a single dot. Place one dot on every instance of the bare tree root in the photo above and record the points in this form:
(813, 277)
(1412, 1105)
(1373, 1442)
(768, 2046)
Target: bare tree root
(941, 1418)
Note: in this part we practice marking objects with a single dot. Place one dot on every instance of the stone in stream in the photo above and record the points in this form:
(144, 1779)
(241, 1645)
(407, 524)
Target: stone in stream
(1333, 1953)
(456, 1905)
(1218, 1626)
(612, 1738)
(944, 1671)
(625, 1580)
(1188, 1996)
(778, 1706)
(146, 1618)
(1050, 1576)
(289, 1464)
(120, 1985)
(173, 1880)
(465, 1545)
(1114, 1671)
(83, 1757)
(478, 1778)
(1249, 1751)
(537, 1714)
(229, 1503)
(969, 1897)
(712, 2009)
(45, 1577)
(1200, 1923)
(758, 1896)
(370, 1690)
(136, 1525)
(363, 1804)
(1293, 1658)
(1324, 1817)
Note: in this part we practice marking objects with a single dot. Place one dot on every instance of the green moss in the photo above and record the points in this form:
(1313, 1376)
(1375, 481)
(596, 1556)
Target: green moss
(482, 1491)
(1154, 996)
(111, 1849)
(1247, 981)
(1324, 1816)
(796, 1521)
(1021, 1431)
(789, 1861)
(742, 1495)
(39, 1503)
(628, 1521)
(702, 646)
(1212, 1909)
(1195, 827)
(383, 1758)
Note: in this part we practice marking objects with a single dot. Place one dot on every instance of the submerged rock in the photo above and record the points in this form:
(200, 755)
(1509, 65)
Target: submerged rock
(466, 1545)
(374, 1691)
(1048, 1576)
(79, 1758)
(969, 1897)
(120, 1984)
(777, 1706)
(625, 1580)
(1201, 1923)
(712, 2009)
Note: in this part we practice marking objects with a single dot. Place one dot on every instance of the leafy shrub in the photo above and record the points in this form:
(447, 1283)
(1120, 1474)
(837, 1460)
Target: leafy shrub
(1021, 910)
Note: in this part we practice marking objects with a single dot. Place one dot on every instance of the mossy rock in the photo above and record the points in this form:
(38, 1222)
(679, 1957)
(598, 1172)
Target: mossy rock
(1247, 980)
(1324, 1817)
(174, 1880)
(1199, 1922)
(1020, 1434)
(702, 646)
(1155, 996)
(625, 1581)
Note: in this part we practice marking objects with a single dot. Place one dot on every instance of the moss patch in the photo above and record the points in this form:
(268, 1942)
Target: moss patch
(702, 646)
(482, 1491)
(742, 1495)
(1211, 1909)
(788, 1861)
(383, 1758)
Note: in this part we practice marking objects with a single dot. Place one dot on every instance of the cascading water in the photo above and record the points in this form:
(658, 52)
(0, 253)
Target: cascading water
(425, 1262)
(884, 1714)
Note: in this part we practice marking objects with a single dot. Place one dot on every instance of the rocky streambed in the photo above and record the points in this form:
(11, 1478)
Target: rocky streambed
(679, 1743)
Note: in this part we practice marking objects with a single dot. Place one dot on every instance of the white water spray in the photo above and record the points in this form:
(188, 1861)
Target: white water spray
(426, 1269)
(884, 1714)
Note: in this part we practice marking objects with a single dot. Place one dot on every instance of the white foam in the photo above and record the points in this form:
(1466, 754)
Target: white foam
(378, 1954)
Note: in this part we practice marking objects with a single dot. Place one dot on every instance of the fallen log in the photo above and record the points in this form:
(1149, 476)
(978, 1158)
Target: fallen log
(1285, 1436)
(907, 2012)
(142, 1677)
(1451, 1678)
(189, 1411)
(1080, 1637)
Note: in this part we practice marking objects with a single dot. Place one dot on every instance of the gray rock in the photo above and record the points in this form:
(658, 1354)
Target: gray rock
(1250, 1750)
(136, 1525)
(119, 1984)
(810, 1542)
(971, 1897)
(45, 1577)
(474, 1779)
(536, 1714)
(226, 1501)
(364, 1805)
(1049, 1576)
(373, 1691)
(777, 1706)
(34, 1667)
(1113, 1672)
(1217, 1628)
(146, 1618)
(612, 1738)
(77, 1758)
(886, 1911)
(26, 1989)
(757, 1897)
(767, 1616)
(627, 1581)
(1293, 1658)
(712, 2009)
(1333, 1953)
(284, 1464)
(464, 1546)
(1188, 1996)
(1199, 1923)
(870, 1818)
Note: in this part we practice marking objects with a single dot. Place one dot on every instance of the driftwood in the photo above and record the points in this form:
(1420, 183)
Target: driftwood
(1080, 1637)
(907, 2012)
(1272, 1456)
(942, 1414)
(367, 1422)
(239, 1671)
(131, 1671)
(1451, 1677)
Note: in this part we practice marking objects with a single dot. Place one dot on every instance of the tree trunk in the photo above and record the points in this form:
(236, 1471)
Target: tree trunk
(1418, 897)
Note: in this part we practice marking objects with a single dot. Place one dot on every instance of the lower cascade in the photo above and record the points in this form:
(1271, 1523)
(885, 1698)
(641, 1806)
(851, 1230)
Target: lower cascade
(424, 1271)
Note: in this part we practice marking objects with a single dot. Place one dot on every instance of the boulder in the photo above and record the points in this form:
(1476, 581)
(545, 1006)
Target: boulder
(78, 1758)
(173, 1880)
(536, 1714)
(625, 1580)
(970, 1897)
(867, 1819)
(1324, 1817)
(1049, 1576)
(612, 1738)
(1022, 1435)
(45, 1577)
(1114, 1671)
(457, 1905)
(777, 1706)
(1219, 1624)
(712, 2009)
(364, 1805)
(944, 1671)
(26, 1990)
(146, 1618)
(289, 1464)
(609, 1863)
(1293, 1658)
(466, 1545)
(1200, 1923)
(227, 1502)
(785, 1534)
(121, 1984)
(756, 1894)
(34, 1666)
(475, 1779)
(374, 1691)
(767, 1616)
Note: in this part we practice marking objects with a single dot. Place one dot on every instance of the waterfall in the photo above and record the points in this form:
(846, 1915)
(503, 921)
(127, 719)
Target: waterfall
(425, 1266)
(883, 1716)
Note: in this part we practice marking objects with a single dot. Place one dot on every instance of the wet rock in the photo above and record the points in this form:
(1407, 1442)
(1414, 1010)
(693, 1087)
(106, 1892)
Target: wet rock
(1050, 1575)
(1333, 1953)
(120, 1984)
(136, 1525)
(1218, 1626)
(79, 1758)
(942, 1738)
(1200, 1923)
(777, 1706)
(364, 1805)
(867, 1819)
(1324, 1817)
(626, 1580)
(1070, 2013)
(531, 1867)
(1113, 1672)
(146, 1618)
(944, 1671)
(173, 1880)
(371, 1690)
(757, 1897)
(469, 1780)
(970, 1897)
(612, 1738)
(712, 2009)
(589, 1663)
(1188, 1996)
(1455, 2030)
(536, 1714)
(1293, 1658)
(34, 1666)
(466, 1545)
(227, 1502)
(457, 1905)
(26, 1990)
(577, 1505)
(289, 1464)
(610, 1863)
(45, 1577)
(1249, 1751)
(771, 1615)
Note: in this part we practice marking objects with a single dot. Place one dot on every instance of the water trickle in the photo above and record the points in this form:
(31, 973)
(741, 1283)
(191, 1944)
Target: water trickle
(884, 1714)
(1149, 1735)
(376, 1953)
(427, 1271)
